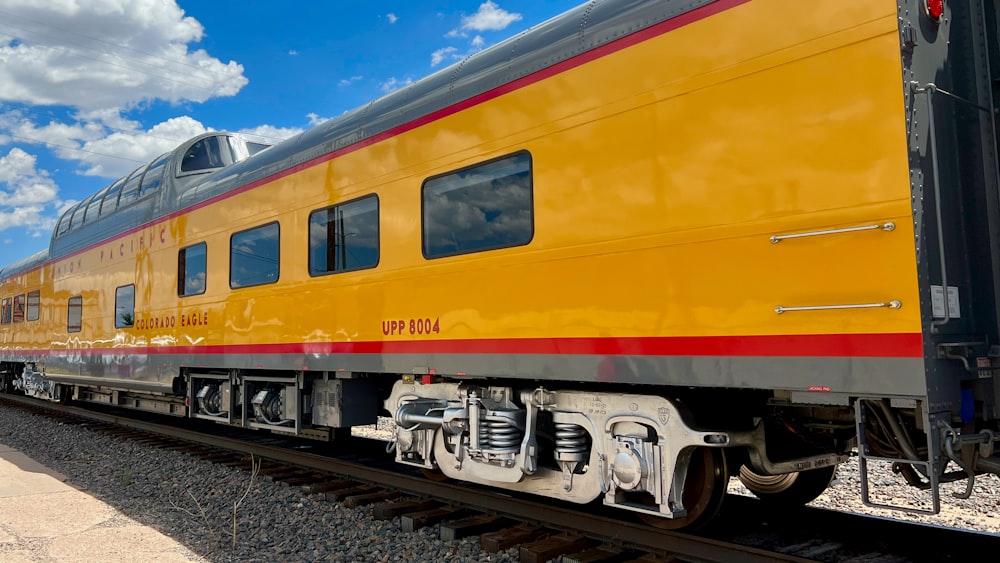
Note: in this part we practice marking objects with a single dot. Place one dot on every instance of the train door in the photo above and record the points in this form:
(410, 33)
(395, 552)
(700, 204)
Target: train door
(950, 63)
(950, 57)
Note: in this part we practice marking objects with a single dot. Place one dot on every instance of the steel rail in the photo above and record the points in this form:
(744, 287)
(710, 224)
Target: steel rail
(685, 546)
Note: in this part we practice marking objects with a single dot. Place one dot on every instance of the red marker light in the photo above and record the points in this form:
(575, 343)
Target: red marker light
(934, 9)
(426, 380)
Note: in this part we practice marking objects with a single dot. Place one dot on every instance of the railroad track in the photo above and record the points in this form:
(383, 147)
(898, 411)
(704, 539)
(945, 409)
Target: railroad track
(543, 531)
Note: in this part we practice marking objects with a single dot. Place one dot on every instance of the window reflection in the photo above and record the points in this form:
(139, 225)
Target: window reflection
(344, 237)
(192, 266)
(253, 257)
(74, 314)
(34, 302)
(19, 308)
(203, 155)
(153, 177)
(480, 208)
(125, 306)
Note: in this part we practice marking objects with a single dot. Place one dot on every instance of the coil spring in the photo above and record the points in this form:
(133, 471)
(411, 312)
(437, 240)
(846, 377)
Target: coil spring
(501, 435)
(484, 434)
(570, 439)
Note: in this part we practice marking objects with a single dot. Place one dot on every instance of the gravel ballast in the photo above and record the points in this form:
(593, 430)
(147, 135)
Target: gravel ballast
(191, 500)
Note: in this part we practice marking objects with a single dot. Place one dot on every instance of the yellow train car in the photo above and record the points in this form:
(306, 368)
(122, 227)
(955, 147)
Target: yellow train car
(622, 255)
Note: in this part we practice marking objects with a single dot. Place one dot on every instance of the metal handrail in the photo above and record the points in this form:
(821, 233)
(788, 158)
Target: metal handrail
(894, 304)
(887, 227)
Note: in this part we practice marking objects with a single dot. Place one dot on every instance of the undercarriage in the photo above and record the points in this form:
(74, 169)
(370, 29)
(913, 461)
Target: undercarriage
(635, 452)
(664, 454)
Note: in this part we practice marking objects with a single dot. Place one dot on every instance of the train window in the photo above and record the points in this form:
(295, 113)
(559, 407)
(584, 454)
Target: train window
(74, 314)
(206, 154)
(34, 302)
(94, 207)
(63, 226)
(18, 315)
(77, 219)
(125, 306)
(79, 214)
(254, 256)
(483, 207)
(110, 201)
(66, 221)
(130, 191)
(344, 237)
(192, 269)
(154, 175)
(5, 310)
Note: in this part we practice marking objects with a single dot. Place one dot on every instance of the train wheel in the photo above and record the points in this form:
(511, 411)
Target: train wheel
(704, 491)
(788, 490)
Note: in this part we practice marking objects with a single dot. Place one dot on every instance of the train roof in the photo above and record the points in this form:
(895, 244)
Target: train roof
(24, 264)
(148, 192)
(582, 29)
(543, 46)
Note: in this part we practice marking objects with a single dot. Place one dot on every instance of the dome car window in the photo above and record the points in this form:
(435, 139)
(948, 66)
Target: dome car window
(110, 201)
(94, 207)
(206, 154)
(63, 227)
(130, 192)
(154, 175)
(80, 213)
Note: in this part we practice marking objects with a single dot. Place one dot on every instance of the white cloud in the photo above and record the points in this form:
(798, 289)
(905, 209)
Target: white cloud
(437, 57)
(28, 216)
(315, 119)
(17, 164)
(25, 193)
(293, 52)
(394, 84)
(392, 17)
(110, 117)
(269, 134)
(349, 81)
(107, 54)
(109, 154)
(113, 154)
(489, 17)
(98, 156)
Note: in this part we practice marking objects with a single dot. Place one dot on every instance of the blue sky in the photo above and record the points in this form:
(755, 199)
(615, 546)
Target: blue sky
(89, 89)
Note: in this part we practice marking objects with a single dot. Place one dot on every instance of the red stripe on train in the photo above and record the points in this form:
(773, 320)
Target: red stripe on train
(896, 345)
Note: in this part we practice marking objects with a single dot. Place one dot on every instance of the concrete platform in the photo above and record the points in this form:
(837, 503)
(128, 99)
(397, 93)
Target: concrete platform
(44, 519)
